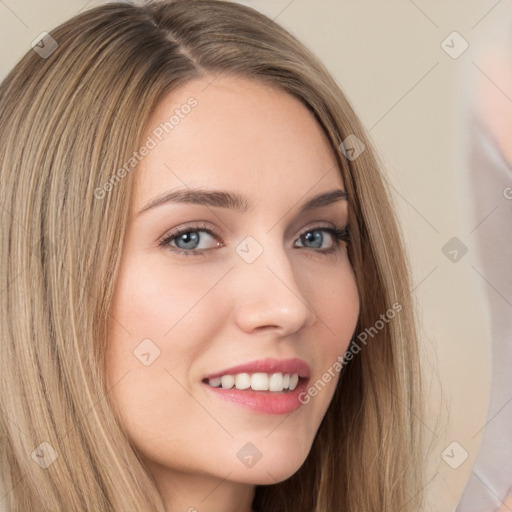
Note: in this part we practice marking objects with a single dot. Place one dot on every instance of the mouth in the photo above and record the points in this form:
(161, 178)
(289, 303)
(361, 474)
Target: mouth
(264, 386)
(277, 400)
(281, 383)
(269, 396)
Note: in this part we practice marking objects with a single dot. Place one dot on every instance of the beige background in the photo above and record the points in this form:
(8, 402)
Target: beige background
(388, 58)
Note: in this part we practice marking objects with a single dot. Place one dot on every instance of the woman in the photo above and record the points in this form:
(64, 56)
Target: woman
(143, 369)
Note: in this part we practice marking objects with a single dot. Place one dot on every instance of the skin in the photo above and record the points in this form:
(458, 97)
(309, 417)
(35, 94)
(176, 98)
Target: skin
(208, 313)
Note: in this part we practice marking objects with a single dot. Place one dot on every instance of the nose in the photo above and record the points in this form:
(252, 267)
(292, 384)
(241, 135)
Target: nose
(267, 294)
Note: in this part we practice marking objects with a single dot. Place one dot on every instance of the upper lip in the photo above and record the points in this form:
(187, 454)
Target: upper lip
(268, 365)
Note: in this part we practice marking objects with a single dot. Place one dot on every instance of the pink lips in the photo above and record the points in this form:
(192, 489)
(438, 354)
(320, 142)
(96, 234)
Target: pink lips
(262, 402)
(268, 365)
(265, 402)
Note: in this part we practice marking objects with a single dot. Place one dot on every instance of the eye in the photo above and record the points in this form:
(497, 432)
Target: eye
(185, 241)
(339, 235)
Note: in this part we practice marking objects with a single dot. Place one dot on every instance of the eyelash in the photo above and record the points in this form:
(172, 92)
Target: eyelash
(339, 233)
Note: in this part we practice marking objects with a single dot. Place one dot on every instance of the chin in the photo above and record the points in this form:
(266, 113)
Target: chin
(268, 473)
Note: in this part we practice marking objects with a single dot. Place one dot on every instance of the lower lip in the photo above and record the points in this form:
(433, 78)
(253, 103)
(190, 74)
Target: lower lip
(266, 402)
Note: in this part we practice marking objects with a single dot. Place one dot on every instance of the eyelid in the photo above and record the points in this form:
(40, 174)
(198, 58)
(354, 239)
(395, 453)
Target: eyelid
(207, 227)
(203, 226)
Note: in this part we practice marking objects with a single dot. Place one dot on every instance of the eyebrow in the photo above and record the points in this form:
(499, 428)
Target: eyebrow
(233, 201)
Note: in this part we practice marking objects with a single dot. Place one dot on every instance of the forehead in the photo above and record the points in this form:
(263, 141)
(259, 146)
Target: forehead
(235, 133)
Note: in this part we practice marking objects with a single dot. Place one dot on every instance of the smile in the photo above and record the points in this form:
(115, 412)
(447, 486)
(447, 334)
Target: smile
(276, 382)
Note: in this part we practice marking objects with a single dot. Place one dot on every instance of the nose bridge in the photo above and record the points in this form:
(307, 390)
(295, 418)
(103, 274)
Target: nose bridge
(267, 291)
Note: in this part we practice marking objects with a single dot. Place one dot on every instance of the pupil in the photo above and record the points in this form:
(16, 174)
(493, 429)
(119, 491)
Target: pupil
(192, 238)
(314, 234)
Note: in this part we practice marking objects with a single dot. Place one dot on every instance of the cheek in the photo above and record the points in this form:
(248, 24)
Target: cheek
(337, 306)
(153, 340)
(335, 299)
(158, 316)
(155, 300)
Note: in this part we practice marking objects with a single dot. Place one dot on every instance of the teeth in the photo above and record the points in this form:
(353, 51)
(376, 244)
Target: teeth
(257, 381)
(275, 383)
(227, 381)
(215, 382)
(242, 381)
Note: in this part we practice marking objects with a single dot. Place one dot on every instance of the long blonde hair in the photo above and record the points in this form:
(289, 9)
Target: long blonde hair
(68, 120)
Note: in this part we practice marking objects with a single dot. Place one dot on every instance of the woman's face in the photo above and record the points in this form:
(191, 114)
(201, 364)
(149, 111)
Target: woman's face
(242, 285)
